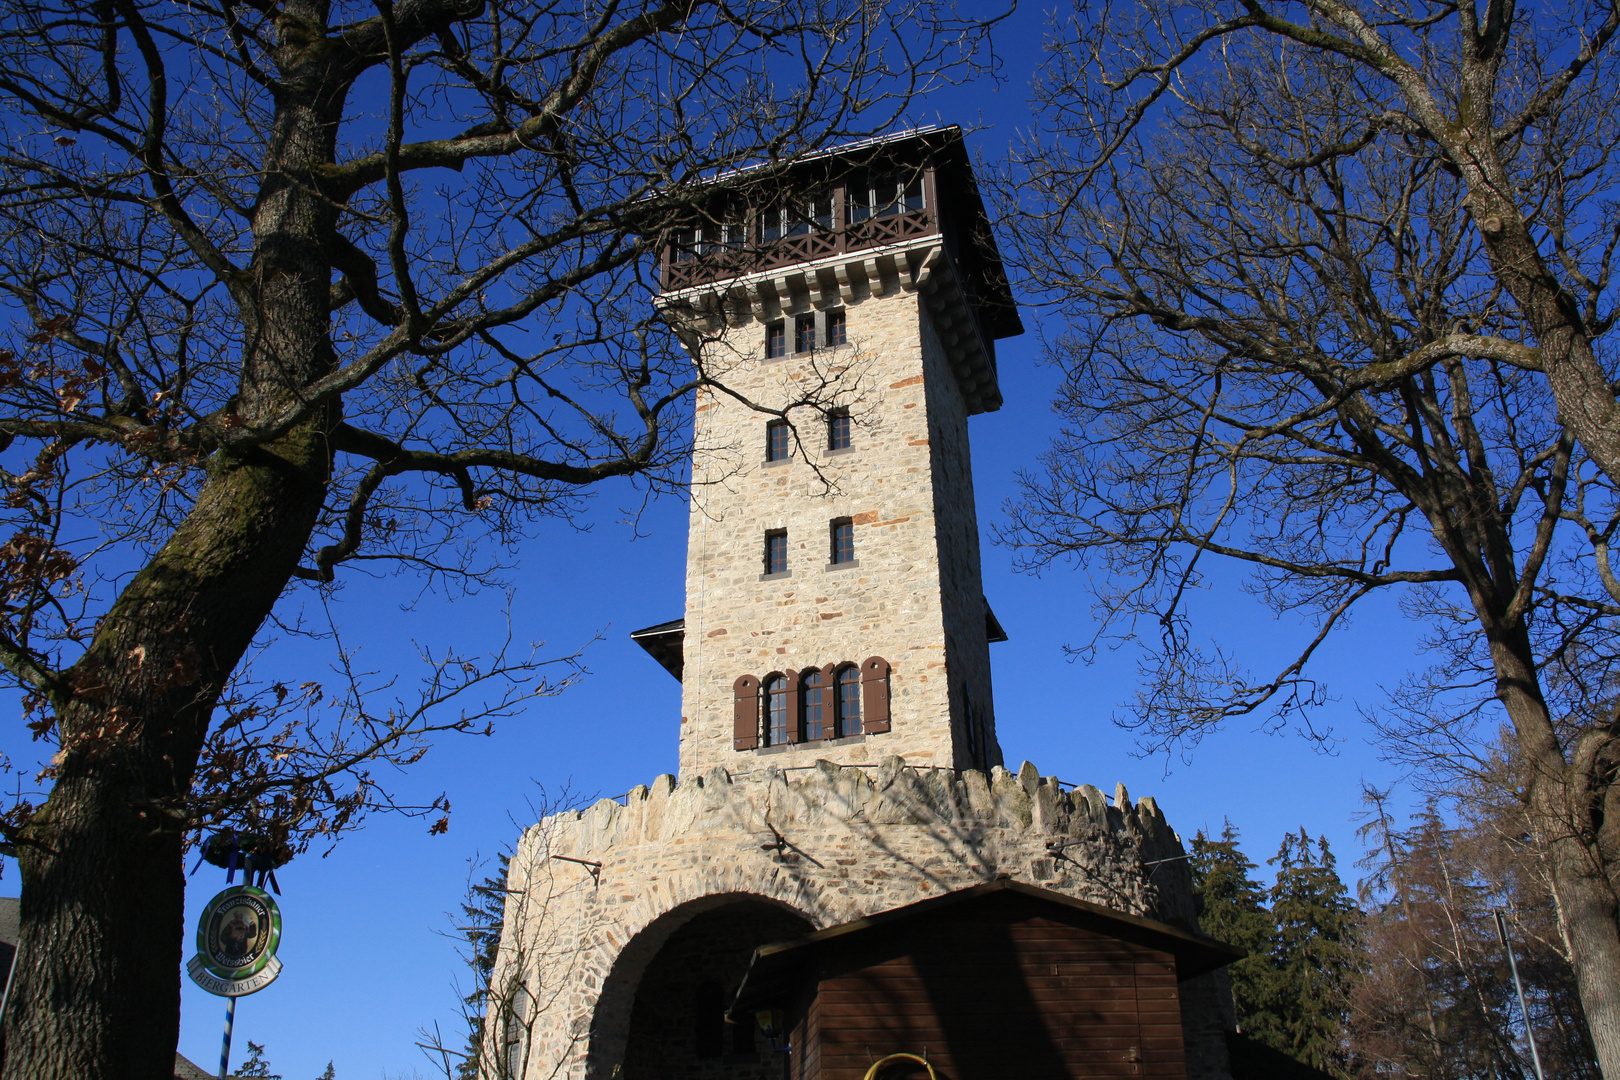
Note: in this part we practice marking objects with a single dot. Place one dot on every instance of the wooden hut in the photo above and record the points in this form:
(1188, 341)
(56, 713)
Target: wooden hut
(998, 981)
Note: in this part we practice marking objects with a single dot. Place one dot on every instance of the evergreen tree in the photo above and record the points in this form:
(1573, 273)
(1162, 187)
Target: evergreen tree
(256, 1066)
(1315, 957)
(1233, 909)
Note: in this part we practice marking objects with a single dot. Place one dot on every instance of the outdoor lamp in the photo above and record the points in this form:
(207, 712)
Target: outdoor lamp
(770, 1022)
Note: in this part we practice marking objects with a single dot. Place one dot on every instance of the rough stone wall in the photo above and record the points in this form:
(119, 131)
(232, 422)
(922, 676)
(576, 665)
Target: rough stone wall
(962, 600)
(906, 414)
(828, 844)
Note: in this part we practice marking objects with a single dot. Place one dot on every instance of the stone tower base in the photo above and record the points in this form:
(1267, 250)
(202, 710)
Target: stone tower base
(595, 896)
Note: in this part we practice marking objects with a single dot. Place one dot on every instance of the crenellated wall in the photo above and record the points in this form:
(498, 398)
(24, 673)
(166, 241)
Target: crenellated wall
(827, 843)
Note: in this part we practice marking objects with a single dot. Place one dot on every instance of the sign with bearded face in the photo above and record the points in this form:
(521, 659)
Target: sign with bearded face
(237, 937)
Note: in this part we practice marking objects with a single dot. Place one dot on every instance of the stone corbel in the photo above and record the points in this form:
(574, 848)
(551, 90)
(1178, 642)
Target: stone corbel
(846, 287)
(874, 277)
(922, 274)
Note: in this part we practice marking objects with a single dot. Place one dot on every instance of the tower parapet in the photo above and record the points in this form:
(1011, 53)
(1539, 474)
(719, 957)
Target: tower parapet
(597, 893)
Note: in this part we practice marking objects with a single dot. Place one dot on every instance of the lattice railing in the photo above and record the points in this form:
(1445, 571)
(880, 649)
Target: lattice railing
(805, 247)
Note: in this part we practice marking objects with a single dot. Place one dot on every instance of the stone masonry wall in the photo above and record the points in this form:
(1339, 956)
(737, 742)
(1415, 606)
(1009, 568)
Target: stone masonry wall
(962, 599)
(828, 844)
(892, 602)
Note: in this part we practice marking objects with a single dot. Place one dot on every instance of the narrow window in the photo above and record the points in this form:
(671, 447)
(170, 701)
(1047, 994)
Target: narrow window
(838, 430)
(804, 333)
(777, 441)
(912, 194)
(770, 224)
(776, 711)
(815, 706)
(849, 701)
(843, 541)
(685, 245)
(775, 341)
(836, 332)
(776, 551)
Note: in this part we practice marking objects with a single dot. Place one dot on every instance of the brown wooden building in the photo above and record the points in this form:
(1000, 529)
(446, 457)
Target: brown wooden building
(1002, 981)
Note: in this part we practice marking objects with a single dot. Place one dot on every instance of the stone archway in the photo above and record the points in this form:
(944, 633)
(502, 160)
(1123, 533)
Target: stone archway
(661, 1008)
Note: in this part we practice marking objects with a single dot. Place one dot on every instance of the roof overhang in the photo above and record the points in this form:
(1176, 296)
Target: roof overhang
(779, 971)
(665, 643)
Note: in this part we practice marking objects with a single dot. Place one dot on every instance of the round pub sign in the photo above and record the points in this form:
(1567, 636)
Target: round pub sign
(237, 936)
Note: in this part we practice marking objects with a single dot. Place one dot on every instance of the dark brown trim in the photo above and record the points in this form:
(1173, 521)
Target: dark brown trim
(874, 695)
(745, 713)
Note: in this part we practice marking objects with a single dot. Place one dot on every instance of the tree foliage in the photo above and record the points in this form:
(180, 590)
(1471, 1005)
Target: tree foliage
(1438, 999)
(1292, 992)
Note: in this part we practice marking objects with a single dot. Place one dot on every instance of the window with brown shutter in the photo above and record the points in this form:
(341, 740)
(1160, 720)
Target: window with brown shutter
(815, 699)
(848, 704)
(875, 695)
(745, 713)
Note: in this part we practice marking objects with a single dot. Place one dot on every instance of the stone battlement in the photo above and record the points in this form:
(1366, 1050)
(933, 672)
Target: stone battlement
(597, 892)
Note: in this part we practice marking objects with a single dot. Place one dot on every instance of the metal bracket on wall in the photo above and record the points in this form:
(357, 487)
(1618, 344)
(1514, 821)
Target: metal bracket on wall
(593, 868)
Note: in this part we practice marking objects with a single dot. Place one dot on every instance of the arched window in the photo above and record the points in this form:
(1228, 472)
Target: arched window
(776, 710)
(849, 701)
(815, 698)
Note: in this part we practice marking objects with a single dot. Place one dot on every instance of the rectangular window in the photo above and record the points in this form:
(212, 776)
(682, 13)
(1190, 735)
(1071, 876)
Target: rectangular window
(883, 196)
(843, 541)
(775, 341)
(804, 333)
(778, 442)
(776, 551)
(836, 332)
(838, 430)
(815, 706)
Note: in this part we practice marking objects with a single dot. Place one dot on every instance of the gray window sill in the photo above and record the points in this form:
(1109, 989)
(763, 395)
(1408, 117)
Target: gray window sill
(812, 744)
(852, 564)
(845, 450)
(779, 461)
(776, 576)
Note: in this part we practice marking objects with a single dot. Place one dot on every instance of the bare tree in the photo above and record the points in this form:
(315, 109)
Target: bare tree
(1293, 345)
(300, 285)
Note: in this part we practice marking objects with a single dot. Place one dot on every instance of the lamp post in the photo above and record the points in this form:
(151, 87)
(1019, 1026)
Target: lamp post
(1513, 964)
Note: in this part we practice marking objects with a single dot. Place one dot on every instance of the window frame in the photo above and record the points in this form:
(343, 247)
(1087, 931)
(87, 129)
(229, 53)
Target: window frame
(841, 528)
(778, 441)
(839, 318)
(839, 425)
(813, 683)
(772, 536)
(776, 340)
(804, 334)
(774, 691)
(847, 693)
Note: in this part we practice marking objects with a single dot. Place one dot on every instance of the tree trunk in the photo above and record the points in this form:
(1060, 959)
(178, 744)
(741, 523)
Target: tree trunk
(97, 990)
(1584, 894)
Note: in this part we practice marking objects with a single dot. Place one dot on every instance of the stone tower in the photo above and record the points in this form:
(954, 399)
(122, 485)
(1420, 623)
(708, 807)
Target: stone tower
(838, 749)
(834, 607)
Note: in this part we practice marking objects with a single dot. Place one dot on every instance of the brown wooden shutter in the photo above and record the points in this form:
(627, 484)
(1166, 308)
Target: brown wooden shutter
(795, 715)
(745, 713)
(874, 695)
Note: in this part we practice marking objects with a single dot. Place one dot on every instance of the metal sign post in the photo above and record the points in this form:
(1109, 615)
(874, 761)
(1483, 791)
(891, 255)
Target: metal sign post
(1529, 1033)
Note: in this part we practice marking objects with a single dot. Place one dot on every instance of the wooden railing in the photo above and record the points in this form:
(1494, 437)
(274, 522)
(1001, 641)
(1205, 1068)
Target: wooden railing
(728, 262)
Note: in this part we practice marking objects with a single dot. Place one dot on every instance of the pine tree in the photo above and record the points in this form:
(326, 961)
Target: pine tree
(485, 911)
(256, 1066)
(1233, 910)
(1315, 957)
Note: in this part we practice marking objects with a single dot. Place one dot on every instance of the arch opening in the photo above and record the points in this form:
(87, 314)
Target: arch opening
(676, 1012)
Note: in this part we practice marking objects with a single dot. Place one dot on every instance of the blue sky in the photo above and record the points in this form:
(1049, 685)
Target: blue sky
(367, 962)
